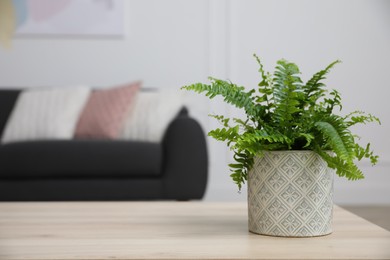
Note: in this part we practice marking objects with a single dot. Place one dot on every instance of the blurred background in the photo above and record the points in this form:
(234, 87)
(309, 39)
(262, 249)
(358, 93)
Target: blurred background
(171, 43)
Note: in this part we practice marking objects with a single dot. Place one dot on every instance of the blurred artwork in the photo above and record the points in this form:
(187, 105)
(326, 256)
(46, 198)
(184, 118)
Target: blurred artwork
(7, 22)
(61, 17)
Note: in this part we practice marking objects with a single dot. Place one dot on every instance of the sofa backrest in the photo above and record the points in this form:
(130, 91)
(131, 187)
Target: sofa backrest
(7, 101)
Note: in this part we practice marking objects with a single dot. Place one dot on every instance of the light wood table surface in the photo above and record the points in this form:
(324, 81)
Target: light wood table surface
(170, 230)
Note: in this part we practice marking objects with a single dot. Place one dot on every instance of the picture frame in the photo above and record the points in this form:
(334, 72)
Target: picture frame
(69, 18)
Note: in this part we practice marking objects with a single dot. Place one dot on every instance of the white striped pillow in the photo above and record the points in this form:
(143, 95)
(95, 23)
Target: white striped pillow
(50, 113)
(152, 113)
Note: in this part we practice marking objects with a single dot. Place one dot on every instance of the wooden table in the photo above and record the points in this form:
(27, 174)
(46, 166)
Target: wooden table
(170, 230)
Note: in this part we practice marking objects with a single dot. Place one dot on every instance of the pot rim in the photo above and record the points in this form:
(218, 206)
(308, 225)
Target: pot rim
(289, 151)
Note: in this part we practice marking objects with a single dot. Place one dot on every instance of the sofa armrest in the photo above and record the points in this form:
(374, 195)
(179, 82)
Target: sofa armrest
(185, 162)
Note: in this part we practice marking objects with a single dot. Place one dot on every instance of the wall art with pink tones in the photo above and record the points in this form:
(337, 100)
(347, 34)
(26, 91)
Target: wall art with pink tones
(69, 17)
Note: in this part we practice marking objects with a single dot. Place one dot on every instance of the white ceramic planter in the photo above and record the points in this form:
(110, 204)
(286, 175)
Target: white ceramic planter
(290, 194)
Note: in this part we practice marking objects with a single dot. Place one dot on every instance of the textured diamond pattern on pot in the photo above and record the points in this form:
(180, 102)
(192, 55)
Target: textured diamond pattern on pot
(316, 194)
(290, 223)
(316, 222)
(317, 165)
(304, 209)
(265, 166)
(290, 194)
(326, 207)
(327, 181)
(276, 231)
(304, 231)
(290, 166)
(265, 222)
(265, 195)
(275, 180)
(304, 181)
(276, 208)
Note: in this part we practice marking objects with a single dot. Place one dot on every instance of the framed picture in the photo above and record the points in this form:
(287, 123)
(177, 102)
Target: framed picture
(69, 17)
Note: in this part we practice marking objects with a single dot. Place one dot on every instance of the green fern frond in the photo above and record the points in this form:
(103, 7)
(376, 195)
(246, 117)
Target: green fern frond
(224, 121)
(262, 72)
(244, 124)
(255, 142)
(286, 94)
(313, 89)
(243, 163)
(228, 134)
(308, 137)
(333, 102)
(360, 117)
(338, 137)
(231, 93)
(366, 153)
(343, 168)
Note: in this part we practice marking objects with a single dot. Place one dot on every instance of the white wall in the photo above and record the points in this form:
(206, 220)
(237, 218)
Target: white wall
(171, 43)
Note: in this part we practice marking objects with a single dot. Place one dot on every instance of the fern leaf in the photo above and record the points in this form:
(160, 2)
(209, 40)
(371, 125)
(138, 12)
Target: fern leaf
(257, 141)
(309, 138)
(285, 94)
(339, 138)
(240, 169)
(262, 72)
(231, 93)
(244, 124)
(313, 89)
(333, 102)
(224, 121)
(229, 134)
(366, 153)
(359, 117)
(343, 168)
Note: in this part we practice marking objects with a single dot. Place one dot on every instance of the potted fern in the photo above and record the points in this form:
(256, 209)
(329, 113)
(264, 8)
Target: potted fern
(288, 147)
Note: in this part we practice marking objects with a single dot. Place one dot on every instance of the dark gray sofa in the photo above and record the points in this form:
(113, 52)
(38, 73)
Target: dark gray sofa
(53, 170)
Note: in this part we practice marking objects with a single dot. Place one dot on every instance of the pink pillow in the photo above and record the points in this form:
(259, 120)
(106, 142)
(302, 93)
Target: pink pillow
(105, 112)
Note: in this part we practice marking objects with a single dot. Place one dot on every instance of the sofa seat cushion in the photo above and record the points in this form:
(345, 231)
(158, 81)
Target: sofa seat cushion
(80, 158)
